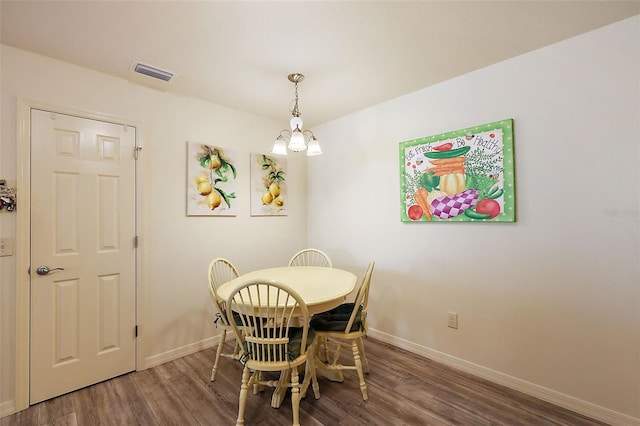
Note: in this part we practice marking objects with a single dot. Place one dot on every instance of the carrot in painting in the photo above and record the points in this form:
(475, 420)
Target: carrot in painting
(445, 170)
(443, 161)
(421, 198)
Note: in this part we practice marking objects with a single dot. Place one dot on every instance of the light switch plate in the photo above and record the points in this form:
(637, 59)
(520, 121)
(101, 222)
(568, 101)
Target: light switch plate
(452, 320)
(6, 246)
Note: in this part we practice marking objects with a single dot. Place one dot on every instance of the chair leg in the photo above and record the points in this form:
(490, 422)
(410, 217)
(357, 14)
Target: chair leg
(358, 362)
(236, 350)
(363, 355)
(244, 392)
(295, 396)
(216, 362)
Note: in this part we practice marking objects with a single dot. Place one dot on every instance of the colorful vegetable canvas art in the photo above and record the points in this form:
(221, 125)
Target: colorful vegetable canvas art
(462, 176)
(211, 181)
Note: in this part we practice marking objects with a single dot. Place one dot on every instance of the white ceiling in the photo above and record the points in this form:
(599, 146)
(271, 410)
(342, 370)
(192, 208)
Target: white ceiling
(354, 54)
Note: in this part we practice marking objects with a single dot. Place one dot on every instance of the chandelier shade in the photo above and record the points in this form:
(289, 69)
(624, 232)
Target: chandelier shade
(313, 147)
(279, 146)
(297, 143)
(296, 139)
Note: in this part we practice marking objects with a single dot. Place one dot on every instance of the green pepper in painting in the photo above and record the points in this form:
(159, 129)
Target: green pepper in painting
(429, 181)
(484, 184)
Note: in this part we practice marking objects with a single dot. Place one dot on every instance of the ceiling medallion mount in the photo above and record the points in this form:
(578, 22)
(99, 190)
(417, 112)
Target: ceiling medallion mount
(296, 77)
(296, 139)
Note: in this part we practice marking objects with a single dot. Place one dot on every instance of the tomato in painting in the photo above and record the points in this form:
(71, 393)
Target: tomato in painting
(415, 212)
(488, 206)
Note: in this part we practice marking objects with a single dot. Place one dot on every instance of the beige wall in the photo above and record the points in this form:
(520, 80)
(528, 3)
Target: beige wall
(176, 312)
(549, 304)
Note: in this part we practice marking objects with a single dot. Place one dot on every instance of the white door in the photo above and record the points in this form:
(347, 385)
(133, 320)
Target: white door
(83, 222)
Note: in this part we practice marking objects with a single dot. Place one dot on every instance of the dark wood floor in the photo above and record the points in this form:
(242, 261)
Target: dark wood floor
(404, 389)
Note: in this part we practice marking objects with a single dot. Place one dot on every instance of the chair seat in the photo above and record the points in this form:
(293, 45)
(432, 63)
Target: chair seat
(337, 319)
(295, 340)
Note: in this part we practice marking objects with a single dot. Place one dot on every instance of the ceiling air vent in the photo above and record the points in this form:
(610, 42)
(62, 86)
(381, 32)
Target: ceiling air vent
(151, 71)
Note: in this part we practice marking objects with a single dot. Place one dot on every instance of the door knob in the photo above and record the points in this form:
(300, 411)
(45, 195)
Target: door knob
(44, 270)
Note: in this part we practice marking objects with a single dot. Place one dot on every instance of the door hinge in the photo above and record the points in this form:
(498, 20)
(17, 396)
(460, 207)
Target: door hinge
(135, 242)
(136, 152)
(135, 331)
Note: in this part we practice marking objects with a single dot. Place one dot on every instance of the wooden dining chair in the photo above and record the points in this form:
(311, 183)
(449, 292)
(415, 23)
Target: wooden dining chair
(310, 257)
(345, 326)
(220, 271)
(271, 343)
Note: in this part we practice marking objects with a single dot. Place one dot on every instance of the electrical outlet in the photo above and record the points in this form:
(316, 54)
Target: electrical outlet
(6, 246)
(452, 320)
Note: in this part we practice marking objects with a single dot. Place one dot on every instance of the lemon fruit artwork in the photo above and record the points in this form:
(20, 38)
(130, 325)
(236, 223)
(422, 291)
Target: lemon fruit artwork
(268, 180)
(212, 176)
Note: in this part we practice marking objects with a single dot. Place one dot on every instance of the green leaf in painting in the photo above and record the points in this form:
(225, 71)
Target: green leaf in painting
(233, 169)
(224, 196)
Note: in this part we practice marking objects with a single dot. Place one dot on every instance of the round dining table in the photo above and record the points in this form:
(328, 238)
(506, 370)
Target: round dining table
(320, 287)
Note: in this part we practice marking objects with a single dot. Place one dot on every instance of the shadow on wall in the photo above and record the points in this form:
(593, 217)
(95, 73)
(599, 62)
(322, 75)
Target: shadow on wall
(390, 288)
(173, 337)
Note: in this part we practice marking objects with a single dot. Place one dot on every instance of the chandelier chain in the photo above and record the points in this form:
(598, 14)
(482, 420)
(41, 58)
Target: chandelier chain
(296, 110)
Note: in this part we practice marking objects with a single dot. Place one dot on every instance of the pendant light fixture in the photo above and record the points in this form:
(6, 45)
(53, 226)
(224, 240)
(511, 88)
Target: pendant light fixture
(296, 139)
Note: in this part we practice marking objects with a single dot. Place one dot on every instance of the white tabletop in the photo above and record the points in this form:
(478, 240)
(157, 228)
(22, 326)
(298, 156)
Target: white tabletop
(321, 288)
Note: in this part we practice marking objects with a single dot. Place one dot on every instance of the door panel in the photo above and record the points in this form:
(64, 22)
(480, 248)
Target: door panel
(83, 221)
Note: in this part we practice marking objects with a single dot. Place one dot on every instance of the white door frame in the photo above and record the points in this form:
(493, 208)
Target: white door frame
(23, 240)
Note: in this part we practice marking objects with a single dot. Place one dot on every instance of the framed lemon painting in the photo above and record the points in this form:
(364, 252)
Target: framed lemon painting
(268, 185)
(462, 176)
(211, 180)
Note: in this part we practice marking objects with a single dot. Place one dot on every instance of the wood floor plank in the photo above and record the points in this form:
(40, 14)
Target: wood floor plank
(199, 401)
(130, 400)
(57, 408)
(93, 405)
(163, 402)
(403, 388)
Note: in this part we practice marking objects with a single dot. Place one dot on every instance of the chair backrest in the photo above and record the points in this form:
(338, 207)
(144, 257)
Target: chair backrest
(310, 257)
(220, 271)
(362, 299)
(269, 314)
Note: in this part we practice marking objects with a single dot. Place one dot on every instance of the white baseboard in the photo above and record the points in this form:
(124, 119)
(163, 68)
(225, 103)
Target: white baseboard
(7, 408)
(154, 360)
(574, 404)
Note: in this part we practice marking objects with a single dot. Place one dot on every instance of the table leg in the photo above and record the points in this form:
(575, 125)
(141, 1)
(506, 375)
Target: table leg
(280, 390)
